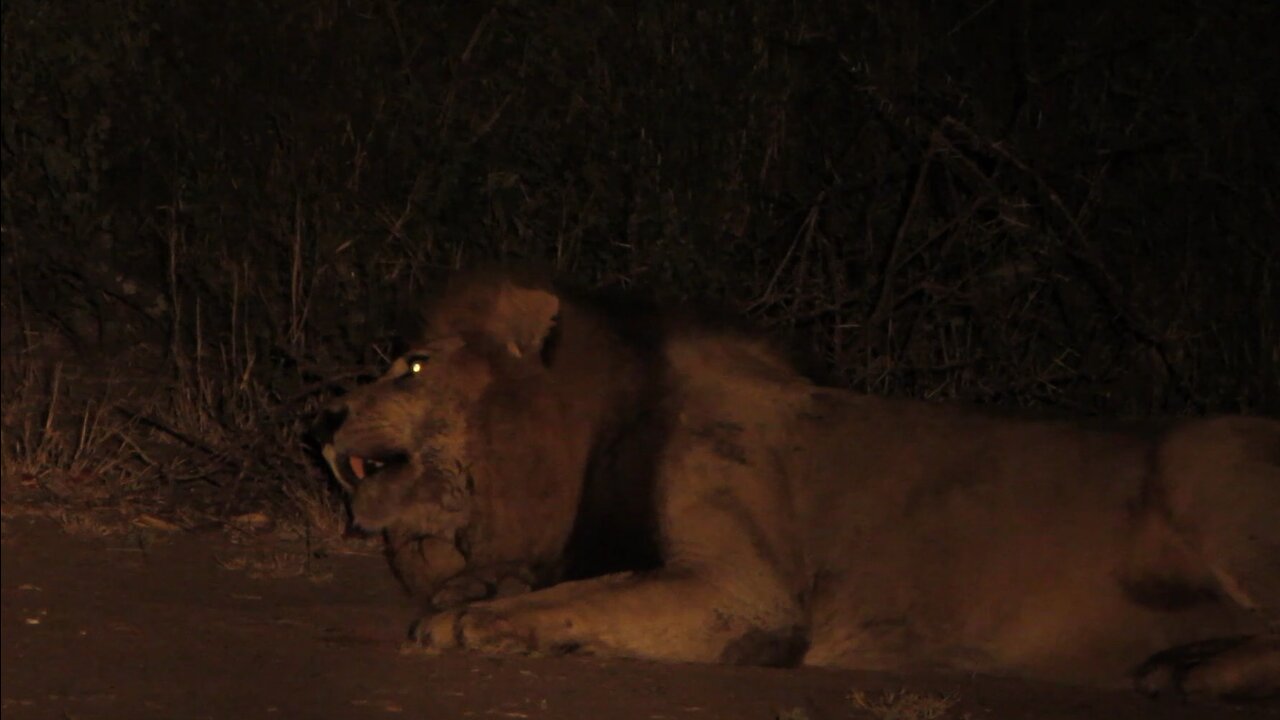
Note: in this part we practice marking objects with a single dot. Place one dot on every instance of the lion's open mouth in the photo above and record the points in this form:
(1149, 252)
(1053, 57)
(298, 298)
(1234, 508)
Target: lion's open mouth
(351, 469)
(362, 468)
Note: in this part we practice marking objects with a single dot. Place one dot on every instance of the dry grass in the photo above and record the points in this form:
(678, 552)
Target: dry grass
(112, 446)
(271, 564)
(65, 446)
(319, 518)
(63, 453)
(903, 704)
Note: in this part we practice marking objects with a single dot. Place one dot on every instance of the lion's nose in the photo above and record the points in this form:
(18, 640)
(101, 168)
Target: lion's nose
(331, 418)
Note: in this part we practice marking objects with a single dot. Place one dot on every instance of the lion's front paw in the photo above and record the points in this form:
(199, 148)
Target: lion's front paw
(473, 628)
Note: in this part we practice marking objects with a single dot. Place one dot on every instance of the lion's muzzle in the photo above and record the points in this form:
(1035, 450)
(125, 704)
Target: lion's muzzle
(352, 466)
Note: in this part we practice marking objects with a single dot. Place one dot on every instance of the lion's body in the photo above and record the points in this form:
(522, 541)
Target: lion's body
(752, 516)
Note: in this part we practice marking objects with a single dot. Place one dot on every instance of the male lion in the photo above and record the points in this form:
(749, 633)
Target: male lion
(716, 506)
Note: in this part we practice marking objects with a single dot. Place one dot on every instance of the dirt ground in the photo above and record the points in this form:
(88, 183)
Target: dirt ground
(192, 625)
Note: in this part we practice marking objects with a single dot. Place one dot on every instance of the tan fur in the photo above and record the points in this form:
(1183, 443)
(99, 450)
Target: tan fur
(796, 523)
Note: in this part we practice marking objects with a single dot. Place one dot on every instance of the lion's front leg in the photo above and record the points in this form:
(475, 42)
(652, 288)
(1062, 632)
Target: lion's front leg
(437, 575)
(662, 615)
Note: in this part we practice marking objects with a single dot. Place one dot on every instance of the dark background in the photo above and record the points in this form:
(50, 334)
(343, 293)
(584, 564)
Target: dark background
(214, 213)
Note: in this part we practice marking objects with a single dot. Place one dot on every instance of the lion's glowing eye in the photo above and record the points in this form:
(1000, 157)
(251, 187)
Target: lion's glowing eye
(416, 364)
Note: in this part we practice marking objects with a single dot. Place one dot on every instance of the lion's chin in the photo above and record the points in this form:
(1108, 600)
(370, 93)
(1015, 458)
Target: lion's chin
(373, 515)
(387, 502)
(380, 503)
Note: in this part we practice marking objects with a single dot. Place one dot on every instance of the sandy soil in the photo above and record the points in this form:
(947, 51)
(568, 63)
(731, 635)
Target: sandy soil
(160, 627)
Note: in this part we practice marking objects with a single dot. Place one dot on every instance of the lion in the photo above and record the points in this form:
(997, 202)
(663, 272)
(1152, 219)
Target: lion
(676, 491)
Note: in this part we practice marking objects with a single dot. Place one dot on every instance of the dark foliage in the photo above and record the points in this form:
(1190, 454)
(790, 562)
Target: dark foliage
(224, 205)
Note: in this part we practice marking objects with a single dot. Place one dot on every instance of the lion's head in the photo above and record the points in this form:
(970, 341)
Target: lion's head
(399, 445)
(480, 435)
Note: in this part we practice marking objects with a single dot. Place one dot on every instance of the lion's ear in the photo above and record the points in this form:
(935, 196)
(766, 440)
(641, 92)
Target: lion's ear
(523, 318)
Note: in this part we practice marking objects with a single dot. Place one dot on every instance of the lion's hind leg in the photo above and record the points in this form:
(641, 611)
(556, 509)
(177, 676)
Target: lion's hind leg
(1221, 483)
(1240, 668)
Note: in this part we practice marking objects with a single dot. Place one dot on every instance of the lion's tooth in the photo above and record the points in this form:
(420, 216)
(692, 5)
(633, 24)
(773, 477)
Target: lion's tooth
(357, 466)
